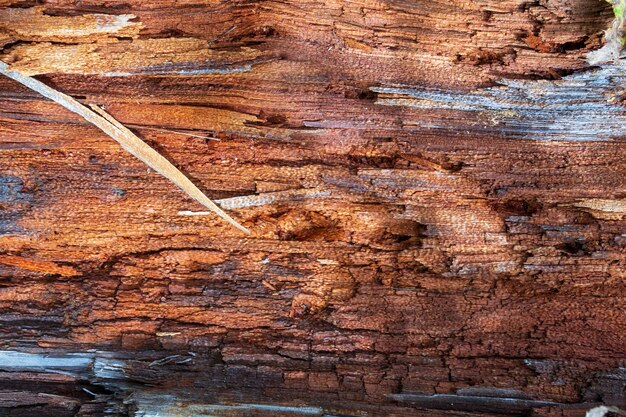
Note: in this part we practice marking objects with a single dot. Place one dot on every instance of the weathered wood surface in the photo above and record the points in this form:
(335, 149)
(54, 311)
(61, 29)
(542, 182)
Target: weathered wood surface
(435, 191)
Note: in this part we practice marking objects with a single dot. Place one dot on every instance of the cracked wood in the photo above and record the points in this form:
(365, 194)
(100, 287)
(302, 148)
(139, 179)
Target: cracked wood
(435, 188)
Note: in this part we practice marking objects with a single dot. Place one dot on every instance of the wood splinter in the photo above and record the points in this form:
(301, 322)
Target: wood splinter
(129, 141)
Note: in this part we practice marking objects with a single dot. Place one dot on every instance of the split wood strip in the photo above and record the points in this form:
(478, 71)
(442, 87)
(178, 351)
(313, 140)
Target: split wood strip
(173, 132)
(129, 141)
(46, 267)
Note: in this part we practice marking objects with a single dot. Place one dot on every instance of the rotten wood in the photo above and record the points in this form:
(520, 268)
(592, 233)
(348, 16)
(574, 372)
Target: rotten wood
(435, 192)
(129, 141)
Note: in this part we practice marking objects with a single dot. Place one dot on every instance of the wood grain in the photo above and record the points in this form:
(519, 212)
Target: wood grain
(435, 192)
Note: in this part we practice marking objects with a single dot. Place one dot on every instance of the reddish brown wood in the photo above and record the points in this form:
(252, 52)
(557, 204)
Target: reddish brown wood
(435, 191)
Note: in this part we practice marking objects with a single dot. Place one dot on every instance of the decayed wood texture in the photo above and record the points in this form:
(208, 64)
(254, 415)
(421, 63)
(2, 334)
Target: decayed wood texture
(124, 136)
(435, 191)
